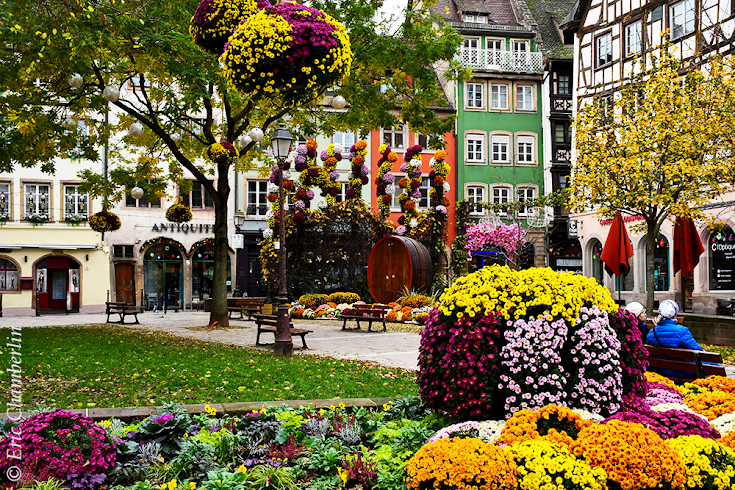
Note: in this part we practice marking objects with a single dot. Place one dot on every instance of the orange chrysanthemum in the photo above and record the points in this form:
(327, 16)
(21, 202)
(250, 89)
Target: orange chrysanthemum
(633, 456)
(387, 198)
(392, 157)
(713, 404)
(438, 180)
(288, 185)
(445, 201)
(361, 145)
(272, 196)
(403, 183)
(717, 383)
(440, 155)
(729, 441)
(409, 205)
(311, 145)
(461, 463)
(557, 424)
(300, 193)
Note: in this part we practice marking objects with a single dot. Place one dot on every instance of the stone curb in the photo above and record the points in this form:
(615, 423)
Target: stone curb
(128, 414)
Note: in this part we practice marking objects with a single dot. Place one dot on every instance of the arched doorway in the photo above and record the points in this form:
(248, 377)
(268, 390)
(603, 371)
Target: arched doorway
(202, 271)
(163, 275)
(596, 260)
(58, 283)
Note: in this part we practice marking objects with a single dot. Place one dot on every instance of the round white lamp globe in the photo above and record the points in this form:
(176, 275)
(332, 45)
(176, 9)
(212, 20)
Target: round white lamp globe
(111, 94)
(76, 80)
(136, 130)
(256, 134)
(339, 102)
(245, 140)
(137, 192)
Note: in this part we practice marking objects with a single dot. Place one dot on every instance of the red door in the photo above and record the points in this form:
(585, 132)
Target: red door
(58, 288)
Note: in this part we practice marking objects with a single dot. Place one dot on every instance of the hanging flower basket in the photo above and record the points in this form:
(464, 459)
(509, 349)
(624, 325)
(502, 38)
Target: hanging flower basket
(104, 221)
(222, 153)
(178, 213)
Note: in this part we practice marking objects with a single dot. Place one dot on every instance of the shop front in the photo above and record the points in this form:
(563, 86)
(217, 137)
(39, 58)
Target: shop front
(163, 277)
(58, 284)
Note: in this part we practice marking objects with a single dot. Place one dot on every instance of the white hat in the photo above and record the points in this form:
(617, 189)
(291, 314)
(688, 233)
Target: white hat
(635, 308)
(668, 309)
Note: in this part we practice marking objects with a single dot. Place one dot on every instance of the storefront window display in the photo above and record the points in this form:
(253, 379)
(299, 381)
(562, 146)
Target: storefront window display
(8, 276)
(660, 264)
(203, 271)
(163, 276)
(721, 250)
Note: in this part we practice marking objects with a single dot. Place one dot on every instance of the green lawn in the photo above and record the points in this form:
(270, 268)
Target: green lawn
(102, 366)
(728, 353)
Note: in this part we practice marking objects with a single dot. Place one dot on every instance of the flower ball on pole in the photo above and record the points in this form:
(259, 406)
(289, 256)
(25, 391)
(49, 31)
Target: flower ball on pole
(287, 50)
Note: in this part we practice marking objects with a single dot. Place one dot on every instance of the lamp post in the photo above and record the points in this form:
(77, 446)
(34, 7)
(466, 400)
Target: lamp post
(281, 144)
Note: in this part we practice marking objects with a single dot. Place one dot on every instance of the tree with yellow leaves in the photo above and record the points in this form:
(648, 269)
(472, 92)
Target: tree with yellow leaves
(660, 147)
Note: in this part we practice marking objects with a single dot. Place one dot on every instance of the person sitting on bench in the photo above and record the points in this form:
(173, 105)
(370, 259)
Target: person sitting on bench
(669, 333)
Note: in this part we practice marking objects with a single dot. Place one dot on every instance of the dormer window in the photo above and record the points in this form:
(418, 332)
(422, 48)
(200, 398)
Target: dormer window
(481, 19)
(469, 18)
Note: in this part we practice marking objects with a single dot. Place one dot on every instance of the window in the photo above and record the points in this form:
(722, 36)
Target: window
(521, 54)
(476, 195)
(423, 203)
(604, 49)
(499, 97)
(475, 148)
(394, 137)
(520, 46)
(525, 194)
(344, 139)
(469, 18)
(342, 195)
(500, 147)
(257, 198)
(8, 276)
(524, 98)
(37, 200)
(4, 200)
(681, 18)
(135, 82)
(501, 195)
(495, 53)
(122, 251)
(143, 202)
(75, 203)
(471, 54)
(565, 85)
(474, 95)
(524, 152)
(480, 19)
(429, 143)
(395, 204)
(199, 198)
(562, 132)
(633, 38)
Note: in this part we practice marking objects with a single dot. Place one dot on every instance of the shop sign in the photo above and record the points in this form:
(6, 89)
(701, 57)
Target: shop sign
(183, 227)
(572, 228)
(723, 262)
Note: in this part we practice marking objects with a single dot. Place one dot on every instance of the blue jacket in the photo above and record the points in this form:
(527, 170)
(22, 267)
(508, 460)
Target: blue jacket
(671, 334)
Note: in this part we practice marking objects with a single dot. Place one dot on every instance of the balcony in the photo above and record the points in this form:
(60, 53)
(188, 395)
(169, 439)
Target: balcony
(497, 60)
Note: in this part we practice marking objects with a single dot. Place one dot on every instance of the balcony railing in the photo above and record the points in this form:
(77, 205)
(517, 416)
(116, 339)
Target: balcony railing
(497, 60)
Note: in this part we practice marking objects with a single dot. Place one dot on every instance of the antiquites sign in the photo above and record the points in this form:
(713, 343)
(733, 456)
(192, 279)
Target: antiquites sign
(183, 227)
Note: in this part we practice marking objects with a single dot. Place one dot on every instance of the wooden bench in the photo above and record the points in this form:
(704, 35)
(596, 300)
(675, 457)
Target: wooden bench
(251, 306)
(122, 309)
(366, 313)
(701, 363)
(269, 323)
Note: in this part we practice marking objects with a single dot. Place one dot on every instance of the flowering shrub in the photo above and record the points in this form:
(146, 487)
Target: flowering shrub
(633, 355)
(633, 456)
(313, 300)
(104, 221)
(300, 51)
(461, 464)
(358, 175)
(385, 180)
(708, 464)
(595, 382)
(532, 374)
(222, 153)
(60, 444)
(416, 301)
(214, 21)
(343, 298)
(543, 465)
(711, 405)
(528, 292)
(179, 213)
(557, 424)
(509, 237)
(458, 364)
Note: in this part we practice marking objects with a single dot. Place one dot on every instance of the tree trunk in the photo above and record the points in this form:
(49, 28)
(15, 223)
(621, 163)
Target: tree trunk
(218, 312)
(650, 278)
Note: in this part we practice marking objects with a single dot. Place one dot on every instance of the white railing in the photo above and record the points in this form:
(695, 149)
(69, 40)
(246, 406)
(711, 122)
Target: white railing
(497, 60)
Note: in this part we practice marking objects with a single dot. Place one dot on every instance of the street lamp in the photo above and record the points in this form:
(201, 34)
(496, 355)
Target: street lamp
(281, 144)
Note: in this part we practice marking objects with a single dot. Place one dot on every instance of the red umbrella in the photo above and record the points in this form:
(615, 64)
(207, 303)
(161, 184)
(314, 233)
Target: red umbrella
(687, 246)
(617, 250)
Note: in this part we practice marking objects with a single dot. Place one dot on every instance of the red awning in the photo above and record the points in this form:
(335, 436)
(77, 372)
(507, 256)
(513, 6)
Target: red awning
(687, 246)
(617, 250)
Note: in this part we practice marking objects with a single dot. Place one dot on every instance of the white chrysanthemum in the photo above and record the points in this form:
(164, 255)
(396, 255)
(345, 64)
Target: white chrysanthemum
(322, 204)
(272, 187)
(415, 162)
(390, 189)
(269, 214)
(724, 424)
(267, 233)
(338, 148)
(291, 157)
(431, 162)
(349, 175)
(286, 175)
(297, 184)
(413, 223)
(446, 186)
(490, 430)
(587, 415)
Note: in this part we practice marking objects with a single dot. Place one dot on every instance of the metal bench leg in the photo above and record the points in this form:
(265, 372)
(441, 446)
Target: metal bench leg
(303, 341)
(344, 324)
(257, 337)
(384, 327)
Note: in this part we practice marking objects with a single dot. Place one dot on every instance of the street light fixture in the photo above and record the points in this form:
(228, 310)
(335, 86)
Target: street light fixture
(281, 144)
(239, 221)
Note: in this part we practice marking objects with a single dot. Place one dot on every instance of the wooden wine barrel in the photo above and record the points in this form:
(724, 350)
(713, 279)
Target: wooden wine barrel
(398, 262)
